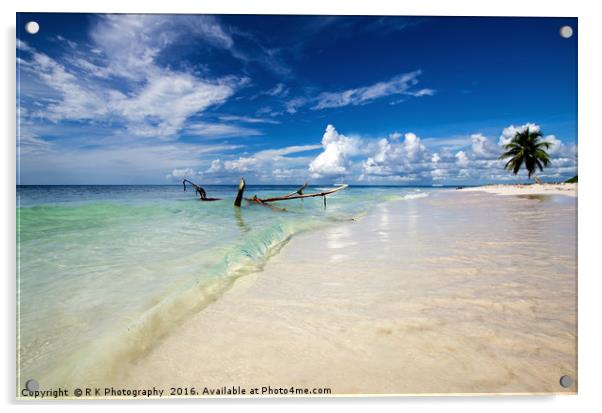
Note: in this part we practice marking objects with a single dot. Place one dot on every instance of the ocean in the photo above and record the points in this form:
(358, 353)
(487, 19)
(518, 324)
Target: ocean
(106, 271)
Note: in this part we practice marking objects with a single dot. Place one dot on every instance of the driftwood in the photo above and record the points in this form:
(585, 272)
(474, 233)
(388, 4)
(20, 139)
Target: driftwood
(241, 190)
(199, 190)
(258, 201)
(302, 196)
(298, 194)
(298, 191)
(295, 195)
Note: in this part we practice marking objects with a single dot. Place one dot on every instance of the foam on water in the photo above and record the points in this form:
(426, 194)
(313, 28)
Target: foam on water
(106, 271)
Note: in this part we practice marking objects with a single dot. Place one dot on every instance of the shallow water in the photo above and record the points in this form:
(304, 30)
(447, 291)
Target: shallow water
(104, 271)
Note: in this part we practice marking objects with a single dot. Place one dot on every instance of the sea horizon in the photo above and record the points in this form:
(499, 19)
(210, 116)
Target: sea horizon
(273, 185)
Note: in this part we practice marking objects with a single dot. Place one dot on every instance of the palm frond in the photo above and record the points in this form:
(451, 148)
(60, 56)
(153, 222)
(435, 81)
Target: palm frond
(529, 149)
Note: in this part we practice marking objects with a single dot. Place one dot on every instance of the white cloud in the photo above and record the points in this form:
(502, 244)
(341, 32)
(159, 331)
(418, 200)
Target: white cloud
(559, 149)
(266, 110)
(23, 46)
(265, 162)
(78, 100)
(394, 158)
(398, 158)
(152, 100)
(335, 158)
(167, 101)
(462, 159)
(247, 119)
(216, 166)
(395, 136)
(278, 90)
(182, 173)
(510, 131)
(398, 85)
(412, 146)
(483, 148)
(220, 130)
(131, 43)
(294, 104)
(275, 153)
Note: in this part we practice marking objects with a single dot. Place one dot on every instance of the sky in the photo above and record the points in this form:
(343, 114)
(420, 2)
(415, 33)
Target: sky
(392, 100)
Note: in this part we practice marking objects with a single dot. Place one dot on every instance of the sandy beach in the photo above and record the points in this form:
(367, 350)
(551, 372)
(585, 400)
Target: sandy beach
(457, 292)
(568, 189)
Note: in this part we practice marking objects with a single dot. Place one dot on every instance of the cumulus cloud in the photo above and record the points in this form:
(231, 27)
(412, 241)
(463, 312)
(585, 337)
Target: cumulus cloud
(412, 146)
(398, 158)
(462, 159)
(335, 157)
(559, 149)
(510, 131)
(394, 136)
(477, 159)
(483, 148)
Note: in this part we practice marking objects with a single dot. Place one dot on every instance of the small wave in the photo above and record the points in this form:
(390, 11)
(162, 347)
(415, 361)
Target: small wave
(416, 195)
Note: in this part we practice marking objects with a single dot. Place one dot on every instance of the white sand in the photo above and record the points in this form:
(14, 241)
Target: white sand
(459, 292)
(532, 189)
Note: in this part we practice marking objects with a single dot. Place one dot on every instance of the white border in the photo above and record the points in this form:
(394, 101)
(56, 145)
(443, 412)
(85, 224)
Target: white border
(590, 208)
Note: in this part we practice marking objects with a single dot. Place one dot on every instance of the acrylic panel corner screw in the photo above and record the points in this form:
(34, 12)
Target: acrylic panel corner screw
(566, 381)
(32, 27)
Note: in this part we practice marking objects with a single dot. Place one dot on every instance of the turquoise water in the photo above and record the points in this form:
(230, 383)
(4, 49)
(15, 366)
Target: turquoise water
(105, 271)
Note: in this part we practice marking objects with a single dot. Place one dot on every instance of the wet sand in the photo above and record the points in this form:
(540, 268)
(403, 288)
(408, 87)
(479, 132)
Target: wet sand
(459, 292)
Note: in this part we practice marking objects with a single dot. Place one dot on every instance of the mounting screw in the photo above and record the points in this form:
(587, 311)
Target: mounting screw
(32, 27)
(566, 381)
(566, 32)
(32, 385)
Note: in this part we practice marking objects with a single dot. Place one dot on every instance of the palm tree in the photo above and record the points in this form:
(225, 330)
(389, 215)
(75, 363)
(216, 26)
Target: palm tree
(529, 148)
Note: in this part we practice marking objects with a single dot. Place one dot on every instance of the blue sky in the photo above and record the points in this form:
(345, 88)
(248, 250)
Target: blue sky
(125, 99)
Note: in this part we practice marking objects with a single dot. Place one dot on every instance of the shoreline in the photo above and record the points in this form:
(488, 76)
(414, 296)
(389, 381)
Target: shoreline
(389, 304)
